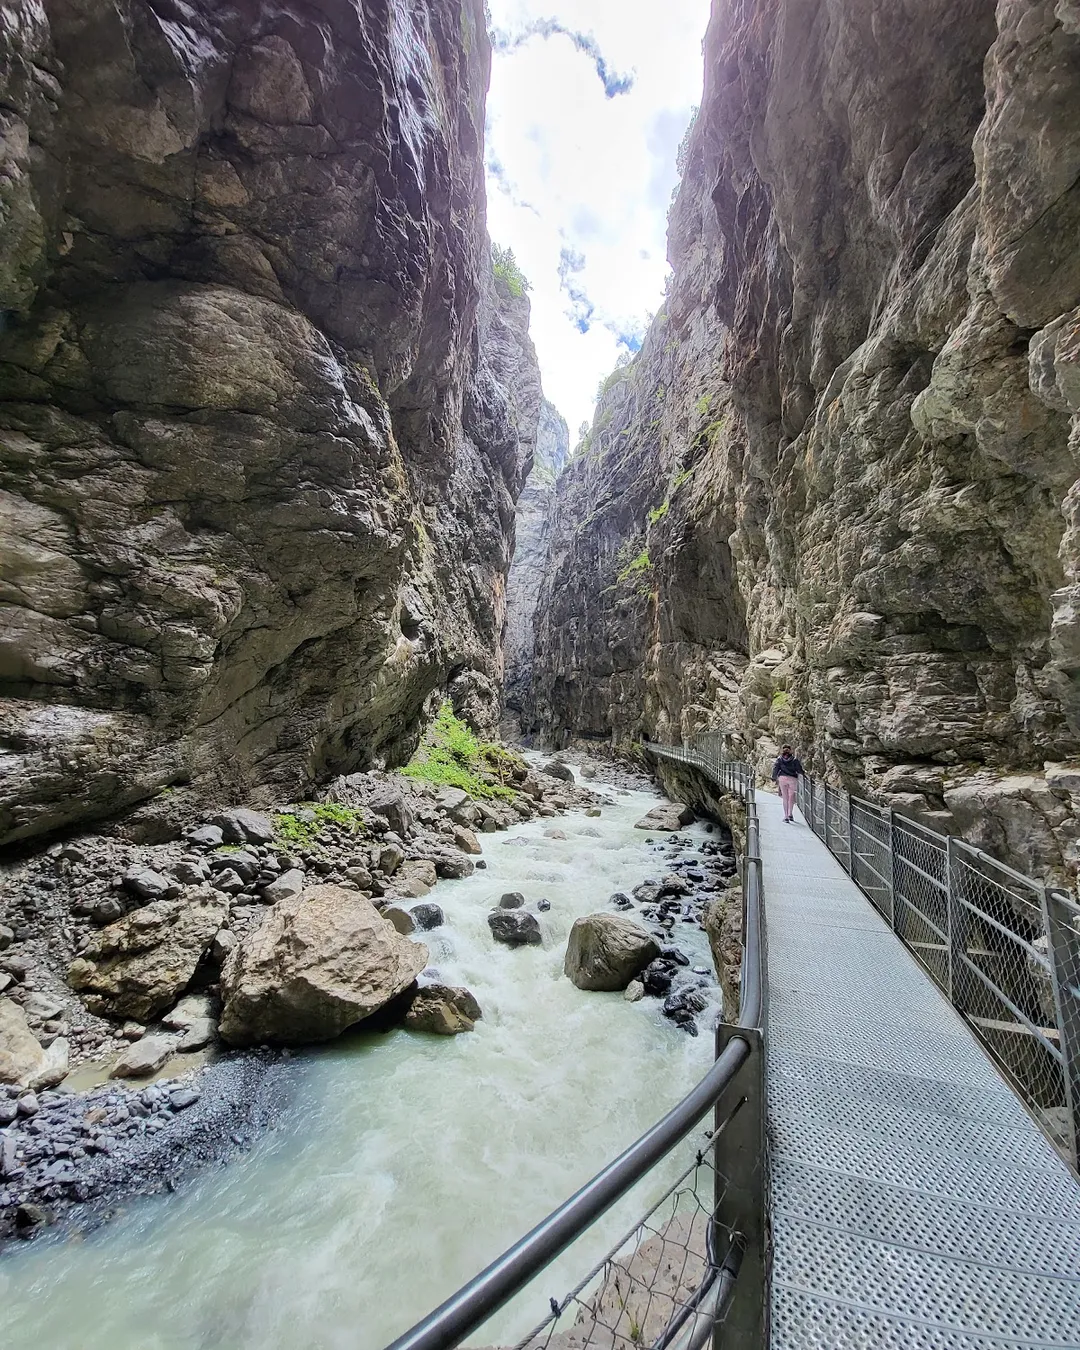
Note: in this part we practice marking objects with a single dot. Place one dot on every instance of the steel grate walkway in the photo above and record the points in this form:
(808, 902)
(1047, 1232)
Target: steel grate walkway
(914, 1203)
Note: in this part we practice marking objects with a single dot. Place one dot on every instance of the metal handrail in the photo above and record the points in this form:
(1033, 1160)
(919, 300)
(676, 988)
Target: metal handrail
(465, 1311)
(940, 918)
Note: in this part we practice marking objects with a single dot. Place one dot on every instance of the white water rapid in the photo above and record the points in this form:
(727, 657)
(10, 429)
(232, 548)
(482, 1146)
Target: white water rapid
(406, 1162)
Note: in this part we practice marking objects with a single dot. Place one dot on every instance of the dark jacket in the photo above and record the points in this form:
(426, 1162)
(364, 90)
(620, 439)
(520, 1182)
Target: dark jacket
(787, 766)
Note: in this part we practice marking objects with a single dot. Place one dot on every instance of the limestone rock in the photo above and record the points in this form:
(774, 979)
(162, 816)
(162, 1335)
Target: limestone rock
(299, 395)
(606, 951)
(415, 878)
(466, 840)
(285, 887)
(21, 1056)
(320, 962)
(555, 768)
(138, 965)
(143, 1058)
(241, 826)
(665, 817)
(515, 928)
(764, 542)
(401, 919)
(442, 1010)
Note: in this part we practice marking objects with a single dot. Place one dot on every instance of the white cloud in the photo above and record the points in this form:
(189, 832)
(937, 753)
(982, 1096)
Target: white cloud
(579, 180)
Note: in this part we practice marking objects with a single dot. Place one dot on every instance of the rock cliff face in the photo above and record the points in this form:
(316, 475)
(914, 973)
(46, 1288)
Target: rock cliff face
(835, 498)
(264, 414)
(533, 516)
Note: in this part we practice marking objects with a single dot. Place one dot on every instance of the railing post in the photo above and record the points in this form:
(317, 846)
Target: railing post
(740, 1194)
(1063, 954)
(956, 925)
(891, 867)
(850, 839)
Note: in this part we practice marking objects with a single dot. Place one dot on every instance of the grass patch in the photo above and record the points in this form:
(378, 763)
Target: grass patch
(636, 566)
(659, 512)
(451, 756)
(302, 826)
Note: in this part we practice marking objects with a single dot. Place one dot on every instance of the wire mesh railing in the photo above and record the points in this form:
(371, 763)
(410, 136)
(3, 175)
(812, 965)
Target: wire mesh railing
(1003, 947)
(693, 1267)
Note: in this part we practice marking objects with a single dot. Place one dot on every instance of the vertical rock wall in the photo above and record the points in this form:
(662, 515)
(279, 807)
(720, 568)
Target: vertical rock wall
(532, 525)
(264, 414)
(835, 497)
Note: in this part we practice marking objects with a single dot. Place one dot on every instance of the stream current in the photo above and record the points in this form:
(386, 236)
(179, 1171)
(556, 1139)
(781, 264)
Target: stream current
(405, 1163)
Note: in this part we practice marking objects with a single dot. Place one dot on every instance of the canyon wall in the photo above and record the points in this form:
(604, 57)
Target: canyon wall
(532, 523)
(835, 497)
(264, 412)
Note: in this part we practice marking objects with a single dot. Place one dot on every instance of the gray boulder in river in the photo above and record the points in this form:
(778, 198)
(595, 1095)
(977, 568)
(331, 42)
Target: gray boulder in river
(606, 951)
(321, 962)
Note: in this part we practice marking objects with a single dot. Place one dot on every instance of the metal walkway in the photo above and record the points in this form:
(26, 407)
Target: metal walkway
(914, 1202)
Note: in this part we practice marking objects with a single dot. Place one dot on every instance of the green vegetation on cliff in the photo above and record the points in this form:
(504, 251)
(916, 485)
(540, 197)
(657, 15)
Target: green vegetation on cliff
(451, 756)
(506, 269)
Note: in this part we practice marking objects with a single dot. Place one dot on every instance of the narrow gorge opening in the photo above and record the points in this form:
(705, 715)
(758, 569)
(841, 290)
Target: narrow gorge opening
(329, 653)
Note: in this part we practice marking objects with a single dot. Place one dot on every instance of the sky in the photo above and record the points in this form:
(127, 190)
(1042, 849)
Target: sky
(589, 100)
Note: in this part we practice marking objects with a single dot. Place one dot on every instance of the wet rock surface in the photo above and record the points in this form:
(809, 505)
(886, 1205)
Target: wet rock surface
(261, 396)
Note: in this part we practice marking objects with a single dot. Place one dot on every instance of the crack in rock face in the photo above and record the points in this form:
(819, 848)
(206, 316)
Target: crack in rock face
(265, 408)
(833, 501)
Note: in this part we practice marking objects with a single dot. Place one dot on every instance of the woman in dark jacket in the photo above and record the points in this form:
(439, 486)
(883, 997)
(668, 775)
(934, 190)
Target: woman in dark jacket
(785, 774)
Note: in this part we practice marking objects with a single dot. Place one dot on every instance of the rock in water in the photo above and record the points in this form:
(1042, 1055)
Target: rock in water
(442, 1010)
(139, 965)
(606, 951)
(557, 769)
(321, 962)
(515, 928)
(667, 816)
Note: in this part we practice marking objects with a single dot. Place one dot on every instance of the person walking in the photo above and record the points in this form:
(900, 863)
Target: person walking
(785, 774)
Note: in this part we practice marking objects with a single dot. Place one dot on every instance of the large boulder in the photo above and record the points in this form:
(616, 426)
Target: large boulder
(555, 768)
(515, 928)
(20, 1053)
(138, 966)
(322, 961)
(666, 816)
(606, 951)
(442, 1010)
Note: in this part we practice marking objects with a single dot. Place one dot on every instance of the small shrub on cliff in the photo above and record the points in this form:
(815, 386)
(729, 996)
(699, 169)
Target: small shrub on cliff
(506, 269)
(451, 756)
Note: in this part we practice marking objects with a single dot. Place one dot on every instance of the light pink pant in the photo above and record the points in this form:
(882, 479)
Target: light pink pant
(788, 787)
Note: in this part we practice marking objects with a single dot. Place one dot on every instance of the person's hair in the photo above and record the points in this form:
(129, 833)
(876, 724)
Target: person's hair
(784, 747)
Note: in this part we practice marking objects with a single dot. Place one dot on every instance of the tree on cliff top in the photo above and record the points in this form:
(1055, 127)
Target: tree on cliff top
(506, 270)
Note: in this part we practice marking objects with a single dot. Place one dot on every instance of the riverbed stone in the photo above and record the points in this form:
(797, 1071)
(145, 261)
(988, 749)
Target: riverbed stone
(286, 887)
(142, 1058)
(140, 964)
(241, 826)
(606, 951)
(511, 900)
(515, 928)
(402, 920)
(428, 916)
(666, 816)
(466, 840)
(443, 1010)
(21, 1054)
(453, 866)
(320, 962)
(146, 884)
(555, 768)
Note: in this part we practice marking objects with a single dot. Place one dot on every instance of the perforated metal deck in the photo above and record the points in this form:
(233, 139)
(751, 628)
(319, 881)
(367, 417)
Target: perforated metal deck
(914, 1201)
